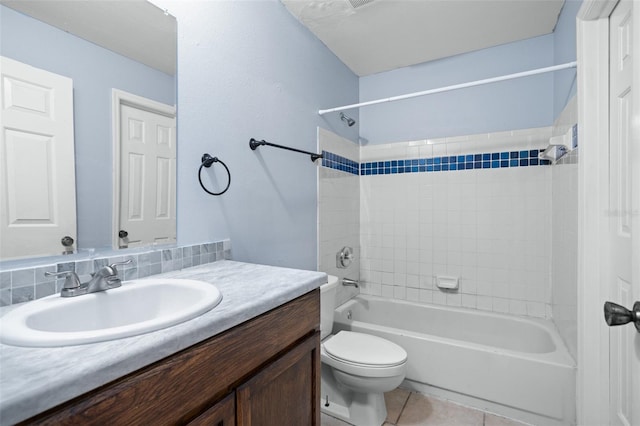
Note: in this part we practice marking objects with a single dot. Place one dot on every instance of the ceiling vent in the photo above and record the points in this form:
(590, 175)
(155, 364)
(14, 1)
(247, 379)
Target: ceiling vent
(359, 3)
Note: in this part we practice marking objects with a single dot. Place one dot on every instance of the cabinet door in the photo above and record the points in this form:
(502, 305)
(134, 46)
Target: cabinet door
(221, 414)
(286, 392)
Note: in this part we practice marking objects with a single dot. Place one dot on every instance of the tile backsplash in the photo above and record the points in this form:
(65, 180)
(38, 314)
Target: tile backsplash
(28, 283)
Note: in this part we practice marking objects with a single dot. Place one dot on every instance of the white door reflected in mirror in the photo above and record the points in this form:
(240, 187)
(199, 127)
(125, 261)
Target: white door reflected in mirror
(147, 164)
(36, 162)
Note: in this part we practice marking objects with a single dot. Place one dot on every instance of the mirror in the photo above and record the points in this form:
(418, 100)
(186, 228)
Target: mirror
(101, 46)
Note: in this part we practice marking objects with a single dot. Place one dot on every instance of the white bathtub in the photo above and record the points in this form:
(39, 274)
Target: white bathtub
(510, 365)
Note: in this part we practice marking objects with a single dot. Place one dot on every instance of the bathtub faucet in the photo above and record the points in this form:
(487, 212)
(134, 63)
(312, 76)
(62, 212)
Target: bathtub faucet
(348, 282)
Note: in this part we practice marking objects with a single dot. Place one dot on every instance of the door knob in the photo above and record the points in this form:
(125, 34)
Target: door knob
(67, 241)
(615, 314)
(123, 234)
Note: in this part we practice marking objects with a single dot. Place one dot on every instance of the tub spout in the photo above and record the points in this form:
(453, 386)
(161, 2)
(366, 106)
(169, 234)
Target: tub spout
(348, 282)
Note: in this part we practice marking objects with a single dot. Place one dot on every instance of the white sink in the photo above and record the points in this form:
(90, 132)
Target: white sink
(136, 307)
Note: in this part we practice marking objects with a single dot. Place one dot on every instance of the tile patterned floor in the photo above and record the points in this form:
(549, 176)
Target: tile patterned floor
(405, 408)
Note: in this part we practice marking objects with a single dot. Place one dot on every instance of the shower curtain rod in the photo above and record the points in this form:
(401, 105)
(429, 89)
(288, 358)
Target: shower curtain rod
(454, 87)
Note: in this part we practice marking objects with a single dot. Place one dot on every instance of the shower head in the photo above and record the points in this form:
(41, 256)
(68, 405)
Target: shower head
(350, 121)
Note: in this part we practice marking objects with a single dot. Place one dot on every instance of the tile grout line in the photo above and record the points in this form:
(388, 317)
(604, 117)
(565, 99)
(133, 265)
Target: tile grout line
(406, 401)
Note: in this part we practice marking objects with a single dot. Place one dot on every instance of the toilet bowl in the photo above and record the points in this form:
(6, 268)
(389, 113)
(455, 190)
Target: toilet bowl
(357, 368)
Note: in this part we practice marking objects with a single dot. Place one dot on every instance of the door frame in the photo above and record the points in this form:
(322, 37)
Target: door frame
(120, 98)
(592, 403)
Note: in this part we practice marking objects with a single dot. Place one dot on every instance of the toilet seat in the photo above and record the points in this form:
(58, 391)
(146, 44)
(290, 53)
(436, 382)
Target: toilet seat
(364, 350)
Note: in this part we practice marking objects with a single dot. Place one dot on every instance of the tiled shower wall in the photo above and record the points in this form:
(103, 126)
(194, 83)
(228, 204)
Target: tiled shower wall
(474, 207)
(564, 238)
(338, 208)
(488, 224)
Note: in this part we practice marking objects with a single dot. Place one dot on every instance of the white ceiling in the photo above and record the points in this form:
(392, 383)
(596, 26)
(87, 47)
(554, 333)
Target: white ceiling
(136, 29)
(381, 35)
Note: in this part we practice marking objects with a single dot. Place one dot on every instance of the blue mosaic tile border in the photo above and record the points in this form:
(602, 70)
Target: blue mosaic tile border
(337, 162)
(487, 160)
(493, 160)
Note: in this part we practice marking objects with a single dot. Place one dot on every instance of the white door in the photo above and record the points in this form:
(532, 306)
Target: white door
(624, 287)
(147, 177)
(37, 169)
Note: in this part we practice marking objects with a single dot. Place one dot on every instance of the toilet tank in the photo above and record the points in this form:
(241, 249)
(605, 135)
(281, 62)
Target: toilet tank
(327, 305)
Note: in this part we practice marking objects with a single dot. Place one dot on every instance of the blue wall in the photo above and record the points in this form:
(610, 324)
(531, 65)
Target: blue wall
(95, 71)
(522, 103)
(564, 50)
(249, 69)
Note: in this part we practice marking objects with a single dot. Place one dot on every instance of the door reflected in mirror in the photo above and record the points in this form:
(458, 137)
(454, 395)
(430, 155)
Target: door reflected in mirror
(145, 171)
(100, 46)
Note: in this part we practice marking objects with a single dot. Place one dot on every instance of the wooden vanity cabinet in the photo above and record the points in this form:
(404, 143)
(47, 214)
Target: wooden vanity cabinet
(265, 371)
(221, 414)
(284, 393)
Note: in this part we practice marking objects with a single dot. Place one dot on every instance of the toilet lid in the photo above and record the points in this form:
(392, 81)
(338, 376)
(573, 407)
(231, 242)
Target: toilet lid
(364, 349)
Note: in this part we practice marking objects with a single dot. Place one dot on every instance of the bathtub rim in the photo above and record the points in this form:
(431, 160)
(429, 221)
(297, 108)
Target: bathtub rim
(560, 356)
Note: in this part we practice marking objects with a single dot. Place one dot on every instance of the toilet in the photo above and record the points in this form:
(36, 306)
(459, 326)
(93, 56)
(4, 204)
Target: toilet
(357, 368)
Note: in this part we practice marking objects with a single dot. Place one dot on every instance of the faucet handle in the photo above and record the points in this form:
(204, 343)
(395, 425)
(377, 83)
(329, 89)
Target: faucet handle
(71, 281)
(110, 270)
(114, 264)
(126, 262)
(111, 273)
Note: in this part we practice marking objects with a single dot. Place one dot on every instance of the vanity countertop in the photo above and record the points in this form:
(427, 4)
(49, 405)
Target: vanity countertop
(33, 380)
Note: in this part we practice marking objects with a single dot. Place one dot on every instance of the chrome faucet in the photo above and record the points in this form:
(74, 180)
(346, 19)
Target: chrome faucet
(348, 282)
(104, 279)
